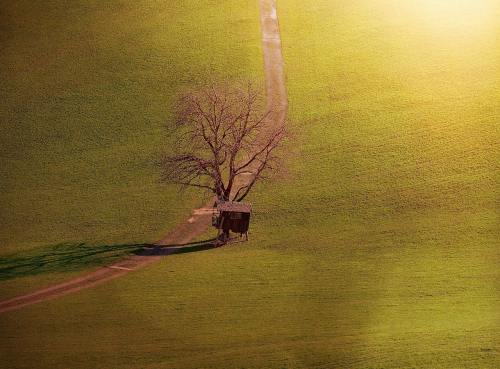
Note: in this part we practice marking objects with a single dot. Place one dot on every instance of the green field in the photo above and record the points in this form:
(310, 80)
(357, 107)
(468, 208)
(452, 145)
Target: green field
(380, 250)
(85, 106)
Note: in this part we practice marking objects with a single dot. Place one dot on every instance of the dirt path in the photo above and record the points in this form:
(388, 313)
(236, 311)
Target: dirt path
(199, 220)
(274, 66)
(181, 234)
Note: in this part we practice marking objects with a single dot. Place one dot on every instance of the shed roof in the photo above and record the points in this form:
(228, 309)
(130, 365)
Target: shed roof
(239, 207)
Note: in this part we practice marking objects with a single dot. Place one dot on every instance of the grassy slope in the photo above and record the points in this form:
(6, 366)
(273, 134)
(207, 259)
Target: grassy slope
(379, 253)
(86, 96)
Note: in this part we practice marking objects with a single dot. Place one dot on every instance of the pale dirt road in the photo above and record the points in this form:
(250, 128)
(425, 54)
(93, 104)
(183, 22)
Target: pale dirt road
(199, 221)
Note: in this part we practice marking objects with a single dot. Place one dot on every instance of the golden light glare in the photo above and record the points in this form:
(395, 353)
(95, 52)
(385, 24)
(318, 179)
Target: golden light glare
(464, 16)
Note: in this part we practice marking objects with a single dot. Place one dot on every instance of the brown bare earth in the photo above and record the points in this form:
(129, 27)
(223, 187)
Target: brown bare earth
(199, 220)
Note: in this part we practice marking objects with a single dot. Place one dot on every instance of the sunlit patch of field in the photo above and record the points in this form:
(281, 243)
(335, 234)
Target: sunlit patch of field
(379, 251)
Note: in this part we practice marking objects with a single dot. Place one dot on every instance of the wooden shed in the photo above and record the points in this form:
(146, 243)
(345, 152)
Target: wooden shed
(232, 216)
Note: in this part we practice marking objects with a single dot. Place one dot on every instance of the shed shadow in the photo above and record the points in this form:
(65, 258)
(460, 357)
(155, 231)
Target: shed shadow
(165, 250)
(71, 257)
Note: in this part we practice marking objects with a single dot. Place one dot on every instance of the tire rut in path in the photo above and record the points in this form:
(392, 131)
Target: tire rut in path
(199, 221)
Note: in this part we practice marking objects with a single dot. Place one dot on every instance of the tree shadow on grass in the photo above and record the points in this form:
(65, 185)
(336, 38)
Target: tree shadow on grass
(71, 257)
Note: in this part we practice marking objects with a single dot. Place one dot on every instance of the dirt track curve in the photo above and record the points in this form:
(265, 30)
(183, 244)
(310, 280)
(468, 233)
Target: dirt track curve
(199, 220)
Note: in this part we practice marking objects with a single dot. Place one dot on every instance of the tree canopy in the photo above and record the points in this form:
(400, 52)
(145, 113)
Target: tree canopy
(225, 141)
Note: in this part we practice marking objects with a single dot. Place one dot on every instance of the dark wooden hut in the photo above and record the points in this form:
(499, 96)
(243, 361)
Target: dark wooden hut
(232, 216)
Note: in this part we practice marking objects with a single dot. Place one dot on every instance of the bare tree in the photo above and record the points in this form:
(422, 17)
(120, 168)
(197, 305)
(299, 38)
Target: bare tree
(225, 142)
